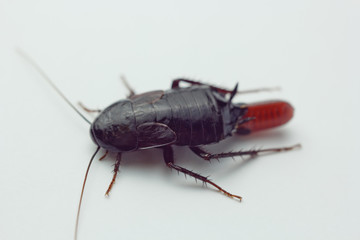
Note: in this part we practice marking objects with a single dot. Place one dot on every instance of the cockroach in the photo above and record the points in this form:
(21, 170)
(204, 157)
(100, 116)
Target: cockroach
(192, 116)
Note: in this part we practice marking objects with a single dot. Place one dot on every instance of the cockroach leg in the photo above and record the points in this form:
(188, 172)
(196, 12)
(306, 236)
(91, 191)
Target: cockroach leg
(207, 156)
(169, 160)
(176, 84)
(116, 170)
(88, 109)
(201, 153)
(127, 85)
(104, 156)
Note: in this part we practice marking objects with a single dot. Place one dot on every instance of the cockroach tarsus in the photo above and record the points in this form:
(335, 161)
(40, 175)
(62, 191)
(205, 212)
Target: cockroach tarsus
(192, 116)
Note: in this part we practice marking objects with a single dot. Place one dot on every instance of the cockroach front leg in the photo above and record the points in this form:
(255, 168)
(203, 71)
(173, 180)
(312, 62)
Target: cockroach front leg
(86, 109)
(169, 160)
(208, 156)
(116, 170)
(104, 156)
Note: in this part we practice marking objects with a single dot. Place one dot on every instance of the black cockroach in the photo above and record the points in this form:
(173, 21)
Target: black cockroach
(193, 116)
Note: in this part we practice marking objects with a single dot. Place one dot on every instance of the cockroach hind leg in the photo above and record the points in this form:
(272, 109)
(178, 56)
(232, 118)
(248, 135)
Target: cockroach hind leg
(116, 170)
(169, 160)
(176, 84)
(254, 152)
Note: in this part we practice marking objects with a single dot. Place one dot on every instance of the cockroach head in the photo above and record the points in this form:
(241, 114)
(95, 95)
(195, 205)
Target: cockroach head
(114, 129)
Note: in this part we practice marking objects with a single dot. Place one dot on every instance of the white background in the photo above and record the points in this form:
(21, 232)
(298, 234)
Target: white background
(308, 48)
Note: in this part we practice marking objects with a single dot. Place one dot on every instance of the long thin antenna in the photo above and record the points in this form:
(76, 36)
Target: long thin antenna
(47, 78)
(82, 193)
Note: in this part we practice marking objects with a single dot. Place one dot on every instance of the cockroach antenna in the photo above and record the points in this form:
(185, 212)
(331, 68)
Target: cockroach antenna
(82, 193)
(47, 78)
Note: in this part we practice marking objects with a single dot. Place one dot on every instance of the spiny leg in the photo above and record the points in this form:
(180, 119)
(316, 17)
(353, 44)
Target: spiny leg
(176, 84)
(88, 109)
(116, 170)
(169, 160)
(127, 85)
(207, 156)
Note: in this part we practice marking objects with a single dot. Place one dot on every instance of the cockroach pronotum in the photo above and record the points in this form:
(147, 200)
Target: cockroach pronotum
(185, 116)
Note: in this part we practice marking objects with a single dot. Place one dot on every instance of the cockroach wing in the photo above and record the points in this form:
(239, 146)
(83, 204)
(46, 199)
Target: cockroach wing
(148, 97)
(151, 135)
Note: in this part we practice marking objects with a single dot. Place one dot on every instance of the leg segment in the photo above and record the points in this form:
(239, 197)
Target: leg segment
(88, 109)
(104, 156)
(176, 84)
(207, 156)
(127, 85)
(116, 170)
(169, 160)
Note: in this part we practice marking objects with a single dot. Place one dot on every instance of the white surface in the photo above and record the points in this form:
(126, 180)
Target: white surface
(309, 48)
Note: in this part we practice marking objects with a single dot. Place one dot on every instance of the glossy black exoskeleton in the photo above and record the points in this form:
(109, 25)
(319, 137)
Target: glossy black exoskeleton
(192, 116)
(197, 115)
